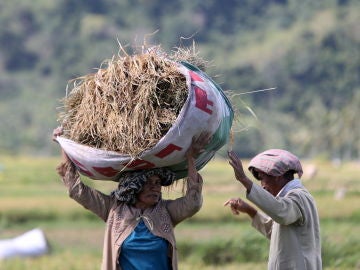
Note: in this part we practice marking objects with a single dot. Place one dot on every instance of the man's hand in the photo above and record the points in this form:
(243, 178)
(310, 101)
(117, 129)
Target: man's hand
(237, 205)
(240, 175)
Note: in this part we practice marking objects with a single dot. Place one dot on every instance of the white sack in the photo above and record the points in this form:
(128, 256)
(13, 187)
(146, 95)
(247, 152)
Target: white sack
(206, 109)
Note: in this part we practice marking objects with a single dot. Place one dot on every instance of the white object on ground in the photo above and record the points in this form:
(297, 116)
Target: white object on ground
(30, 244)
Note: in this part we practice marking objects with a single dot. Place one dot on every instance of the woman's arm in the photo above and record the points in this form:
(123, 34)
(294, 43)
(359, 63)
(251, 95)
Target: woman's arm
(191, 203)
(90, 198)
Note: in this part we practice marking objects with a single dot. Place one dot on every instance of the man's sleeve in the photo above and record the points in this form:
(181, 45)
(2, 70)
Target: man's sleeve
(262, 223)
(283, 210)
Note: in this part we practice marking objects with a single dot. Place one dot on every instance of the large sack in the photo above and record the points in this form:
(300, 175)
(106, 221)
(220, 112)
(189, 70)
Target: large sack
(206, 109)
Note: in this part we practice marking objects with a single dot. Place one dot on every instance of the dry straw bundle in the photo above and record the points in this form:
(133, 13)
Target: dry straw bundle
(129, 103)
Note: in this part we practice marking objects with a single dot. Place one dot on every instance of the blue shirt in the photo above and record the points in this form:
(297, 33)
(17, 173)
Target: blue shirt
(143, 250)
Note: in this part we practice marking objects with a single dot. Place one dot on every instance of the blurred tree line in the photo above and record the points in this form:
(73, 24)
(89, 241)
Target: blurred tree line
(308, 50)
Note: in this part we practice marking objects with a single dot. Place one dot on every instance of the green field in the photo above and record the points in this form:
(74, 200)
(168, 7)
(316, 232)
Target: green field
(32, 196)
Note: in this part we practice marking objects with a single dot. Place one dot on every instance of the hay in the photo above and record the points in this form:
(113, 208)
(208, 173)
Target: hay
(130, 103)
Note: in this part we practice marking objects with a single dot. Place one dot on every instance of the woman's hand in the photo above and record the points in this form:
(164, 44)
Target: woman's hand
(66, 169)
(197, 146)
(57, 132)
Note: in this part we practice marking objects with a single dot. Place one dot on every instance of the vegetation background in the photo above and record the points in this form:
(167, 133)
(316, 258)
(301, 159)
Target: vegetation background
(308, 50)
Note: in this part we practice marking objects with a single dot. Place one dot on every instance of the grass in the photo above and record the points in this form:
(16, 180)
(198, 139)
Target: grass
(33, 196)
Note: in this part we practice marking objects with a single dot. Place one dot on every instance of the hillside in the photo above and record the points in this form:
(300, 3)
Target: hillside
(307, 50)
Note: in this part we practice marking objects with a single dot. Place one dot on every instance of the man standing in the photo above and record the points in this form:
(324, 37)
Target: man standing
(288, 215)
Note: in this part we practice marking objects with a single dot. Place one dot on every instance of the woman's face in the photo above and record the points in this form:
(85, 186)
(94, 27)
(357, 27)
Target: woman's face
(150, 193)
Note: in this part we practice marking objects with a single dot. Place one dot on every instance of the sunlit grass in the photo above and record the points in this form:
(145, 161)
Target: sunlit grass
(66, 259)
(35, 197)
(243, 266)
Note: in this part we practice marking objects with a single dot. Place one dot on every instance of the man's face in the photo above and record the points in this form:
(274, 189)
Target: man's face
(272, 184)
(151, 192)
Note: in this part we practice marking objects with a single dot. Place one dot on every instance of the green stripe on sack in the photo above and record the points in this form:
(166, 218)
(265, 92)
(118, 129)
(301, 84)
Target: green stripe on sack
(196, 69)
(220, 137)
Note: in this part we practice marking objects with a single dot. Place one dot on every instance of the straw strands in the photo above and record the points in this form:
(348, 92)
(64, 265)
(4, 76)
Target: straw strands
(129, 103)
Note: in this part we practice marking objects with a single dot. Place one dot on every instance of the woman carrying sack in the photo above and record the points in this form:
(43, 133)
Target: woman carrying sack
(139, 223)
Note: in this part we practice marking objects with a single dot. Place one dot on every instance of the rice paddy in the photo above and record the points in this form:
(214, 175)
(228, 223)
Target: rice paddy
(213, 239)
